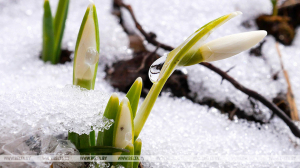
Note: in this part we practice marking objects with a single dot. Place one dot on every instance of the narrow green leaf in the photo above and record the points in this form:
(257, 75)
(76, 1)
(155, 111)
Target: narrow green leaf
(101, 150)
(137, 151)
(100, 138)
(74, 138)
(59, 26)
(87, 50)
(105, 138)
(84, 141)
(93, 138)
(127, 164)
(48, 34)
(134, 94)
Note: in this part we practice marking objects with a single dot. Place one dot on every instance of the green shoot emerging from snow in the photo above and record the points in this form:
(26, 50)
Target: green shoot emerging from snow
(85, 65)
(53, 30)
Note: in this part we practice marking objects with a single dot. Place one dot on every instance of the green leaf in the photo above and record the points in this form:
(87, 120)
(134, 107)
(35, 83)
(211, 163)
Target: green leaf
(48, 34)
(93, 138)
(74, 138)
(105, 138)
(87, 50)
(127, 164)
(84, 141)
(137, 151)
(101, 150)
(59, 26)
(134, 94)
(123, 129)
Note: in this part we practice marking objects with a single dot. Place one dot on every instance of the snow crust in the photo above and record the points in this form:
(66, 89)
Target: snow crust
(67, 109)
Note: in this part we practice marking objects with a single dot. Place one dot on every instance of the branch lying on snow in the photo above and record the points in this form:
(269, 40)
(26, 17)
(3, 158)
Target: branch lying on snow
(151, 39)
(256, 96)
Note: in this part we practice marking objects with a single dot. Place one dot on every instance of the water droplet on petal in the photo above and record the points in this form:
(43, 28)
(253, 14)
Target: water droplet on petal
(156, 67)
(91, 56)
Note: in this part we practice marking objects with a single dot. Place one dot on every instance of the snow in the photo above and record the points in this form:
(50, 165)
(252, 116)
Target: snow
(180, 127)
(66, 109)
(38, 96)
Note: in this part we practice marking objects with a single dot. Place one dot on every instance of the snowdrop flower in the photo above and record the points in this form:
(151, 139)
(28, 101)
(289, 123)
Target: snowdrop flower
(193, 51)
(227, 46)
(220, 48)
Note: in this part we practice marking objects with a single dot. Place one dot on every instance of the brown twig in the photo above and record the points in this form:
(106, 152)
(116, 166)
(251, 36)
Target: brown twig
(148, 36)
(289, 94)
(144, 60)
(295, 130)
(151, 39)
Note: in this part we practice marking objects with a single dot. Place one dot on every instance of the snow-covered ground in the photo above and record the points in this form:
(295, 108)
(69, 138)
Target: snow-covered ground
(176, 126)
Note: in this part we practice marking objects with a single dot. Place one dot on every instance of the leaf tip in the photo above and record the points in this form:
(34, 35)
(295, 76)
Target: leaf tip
(114, 95)
(139, 81)
(236, 13)
(125, 101)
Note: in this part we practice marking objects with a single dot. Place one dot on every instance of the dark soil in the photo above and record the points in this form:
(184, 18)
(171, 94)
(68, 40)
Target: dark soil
(282, 26)
(277, 26)
(293, 12)
(65, 56)
(122, 74)
(257, 50)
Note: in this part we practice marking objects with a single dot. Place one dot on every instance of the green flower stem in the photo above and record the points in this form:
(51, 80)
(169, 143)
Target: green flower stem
(275, 8)
(59, 26)
(146, 107)
(48, 34)
(179, 56)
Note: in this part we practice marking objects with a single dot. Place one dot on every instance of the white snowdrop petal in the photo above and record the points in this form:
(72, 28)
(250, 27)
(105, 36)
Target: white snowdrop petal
(231, 45)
